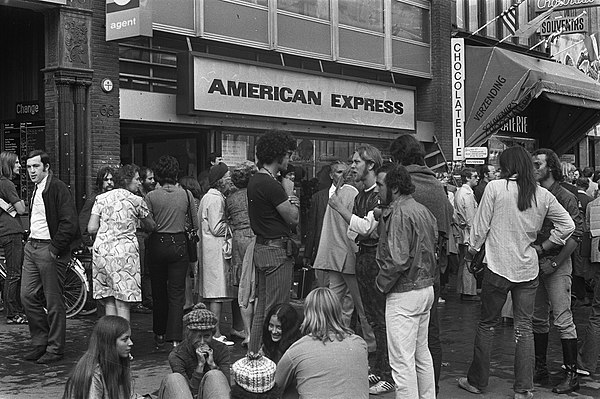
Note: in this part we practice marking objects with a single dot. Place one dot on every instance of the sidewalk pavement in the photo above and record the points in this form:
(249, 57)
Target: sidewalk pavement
(28, 380)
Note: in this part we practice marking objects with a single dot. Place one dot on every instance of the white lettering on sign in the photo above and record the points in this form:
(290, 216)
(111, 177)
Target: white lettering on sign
(543, 5)
(516, 124)
(458, 94)
(122, 24)
(474, 161)
(476, 152)
(27, 109)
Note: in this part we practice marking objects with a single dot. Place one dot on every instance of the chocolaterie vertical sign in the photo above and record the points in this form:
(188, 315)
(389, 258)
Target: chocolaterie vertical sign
(215, 85)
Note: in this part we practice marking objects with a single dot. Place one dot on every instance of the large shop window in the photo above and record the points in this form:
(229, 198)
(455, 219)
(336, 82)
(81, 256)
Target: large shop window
(410, 22)
(366, 14)
(310, 8)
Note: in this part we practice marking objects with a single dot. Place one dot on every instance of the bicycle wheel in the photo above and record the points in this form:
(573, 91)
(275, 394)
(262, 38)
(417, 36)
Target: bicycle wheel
(74, 290)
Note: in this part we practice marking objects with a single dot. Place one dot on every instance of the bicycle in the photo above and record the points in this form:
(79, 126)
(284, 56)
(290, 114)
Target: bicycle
(75, 287)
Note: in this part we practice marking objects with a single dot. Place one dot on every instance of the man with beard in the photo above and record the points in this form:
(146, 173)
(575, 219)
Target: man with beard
(429, 191)
(336, 252)
(273, 210)
(487, 173)
(148, 184)
(407, 262)
(362, 227)
(554, 292)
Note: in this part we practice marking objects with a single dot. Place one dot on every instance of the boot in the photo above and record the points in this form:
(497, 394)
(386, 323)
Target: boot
(571, 381)
(540, 376)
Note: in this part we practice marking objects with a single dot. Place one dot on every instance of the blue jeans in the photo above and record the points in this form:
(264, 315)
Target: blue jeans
(168, 264)
(41, 272)
(494, 290)
(588, 354)
(274, 281)
(214, 385)
(554, 293)
(13, 253)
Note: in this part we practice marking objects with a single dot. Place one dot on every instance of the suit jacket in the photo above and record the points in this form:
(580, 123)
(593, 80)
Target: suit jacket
(316, 212)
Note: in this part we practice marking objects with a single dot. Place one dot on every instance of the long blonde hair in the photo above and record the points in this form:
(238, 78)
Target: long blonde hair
(323, 316)
(7, 163)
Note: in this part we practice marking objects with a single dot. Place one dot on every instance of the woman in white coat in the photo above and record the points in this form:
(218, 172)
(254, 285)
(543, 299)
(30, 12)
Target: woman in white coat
(213, 221)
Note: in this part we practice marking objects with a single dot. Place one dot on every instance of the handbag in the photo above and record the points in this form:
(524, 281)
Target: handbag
(476, 265)
(191, 236)
(228, 244)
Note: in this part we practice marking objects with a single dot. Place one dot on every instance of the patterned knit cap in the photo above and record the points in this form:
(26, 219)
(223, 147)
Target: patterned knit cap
(200, 318)
(254, 373)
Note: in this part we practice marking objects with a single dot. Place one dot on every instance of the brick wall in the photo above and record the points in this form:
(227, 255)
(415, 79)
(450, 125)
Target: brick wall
(433, 104)
(104, 107)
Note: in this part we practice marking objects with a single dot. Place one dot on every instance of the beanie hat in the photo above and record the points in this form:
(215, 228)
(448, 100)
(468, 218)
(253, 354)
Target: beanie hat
(200, 318)
(254, 373)
(217, 172)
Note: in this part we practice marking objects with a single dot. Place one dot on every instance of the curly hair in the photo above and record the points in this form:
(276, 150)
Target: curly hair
(290, 330)
(399, 179)
(124, 175)
(166, 170)
(407, 150)
(242, 172)
(190, 183)
(273, 147)
(552, 162)
(101, 174)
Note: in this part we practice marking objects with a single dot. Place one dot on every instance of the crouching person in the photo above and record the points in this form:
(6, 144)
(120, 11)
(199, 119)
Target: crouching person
(199, 363)
(406, 259)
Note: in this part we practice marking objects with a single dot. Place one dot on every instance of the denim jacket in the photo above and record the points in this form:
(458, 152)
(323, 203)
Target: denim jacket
(406, 249)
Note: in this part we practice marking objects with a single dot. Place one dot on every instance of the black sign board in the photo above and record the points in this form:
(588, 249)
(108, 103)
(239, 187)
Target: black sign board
(22, 138)
(29, 111)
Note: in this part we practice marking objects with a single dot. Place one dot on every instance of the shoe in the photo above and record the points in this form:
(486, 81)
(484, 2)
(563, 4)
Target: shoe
(441, 301)
(579, 371)
(470, 298)
(382, 387)
(48, 358)
(176, 344)
(239, 334)
(159, 341)
(374, 379)
(523, 395)
(223, 339)
(17, 319)
(139, 308)
(35, 353)
(245, 343)
(463, 383)
(88, 312)
(571, 381)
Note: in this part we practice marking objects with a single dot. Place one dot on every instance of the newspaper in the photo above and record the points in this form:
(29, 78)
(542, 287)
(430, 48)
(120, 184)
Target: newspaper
(8, 208)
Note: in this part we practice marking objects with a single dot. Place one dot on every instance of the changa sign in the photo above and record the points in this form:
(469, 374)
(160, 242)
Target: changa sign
(233, 87)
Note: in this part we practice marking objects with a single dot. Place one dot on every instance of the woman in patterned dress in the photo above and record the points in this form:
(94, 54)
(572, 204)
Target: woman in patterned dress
(116, 258)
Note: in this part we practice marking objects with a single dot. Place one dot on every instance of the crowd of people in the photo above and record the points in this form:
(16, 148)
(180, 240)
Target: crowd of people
(382, 241)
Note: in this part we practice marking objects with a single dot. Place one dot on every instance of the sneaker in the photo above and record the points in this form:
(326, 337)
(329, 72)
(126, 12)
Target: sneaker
(382, 387)
(374, 379)
(223, 339)
(441, 300)
(579, 371)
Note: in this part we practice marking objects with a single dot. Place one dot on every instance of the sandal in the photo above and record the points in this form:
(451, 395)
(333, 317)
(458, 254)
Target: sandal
(18, 319)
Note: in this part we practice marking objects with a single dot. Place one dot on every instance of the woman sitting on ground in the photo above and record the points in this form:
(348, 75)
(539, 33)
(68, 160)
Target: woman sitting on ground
(103, 371)
(280, 330)
(330, 361)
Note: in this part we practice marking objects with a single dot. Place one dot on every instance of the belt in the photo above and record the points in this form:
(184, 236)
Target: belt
(39, 241)
(366, 249)
(275, 242)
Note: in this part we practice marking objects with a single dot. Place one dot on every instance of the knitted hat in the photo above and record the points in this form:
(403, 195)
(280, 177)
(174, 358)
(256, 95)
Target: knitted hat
(217, 172)
(200, 318)
(254, 373)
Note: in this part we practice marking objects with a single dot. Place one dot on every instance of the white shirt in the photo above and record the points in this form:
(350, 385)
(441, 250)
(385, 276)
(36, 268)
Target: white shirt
(38, 223)
(363, 226)
(508, 232)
